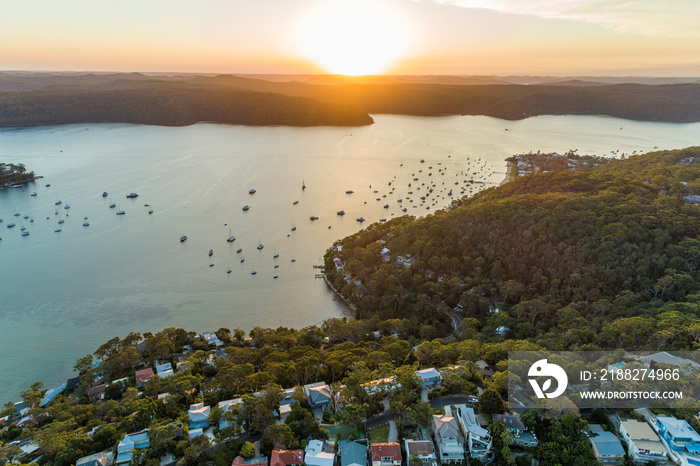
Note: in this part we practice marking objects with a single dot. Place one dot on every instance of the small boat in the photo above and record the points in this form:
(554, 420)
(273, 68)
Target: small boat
(242, 260)
(349, 191)
(228, 271)
(422, 161)
(121, 212)
(132, 196)
(33, 194)
(341, 212)
(211, 265)
(275, 276)
(26, 217)
(277, 266)
(386, 206)
(294, 260)
(67, 207)
(150, 212)
(253, 272)
(86, 224)
(23, 228)
(60, 222)
(112, 206)
(252, 191)
(231, 238)
(25, 233)
(360, 219)
(57, 230)
(303, 185)
(295, 202)
(245, 207)
(260, 246)
(313, 217)
(211, 252)
(105, 194)
(239, 250)
(183, 238)
(48, 185)
(275, 256)
(59, 202)
(17, 214)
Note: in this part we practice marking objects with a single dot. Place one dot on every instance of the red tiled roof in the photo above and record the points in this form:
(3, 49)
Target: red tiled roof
(383, 450)
(143, 374)
(281, 457)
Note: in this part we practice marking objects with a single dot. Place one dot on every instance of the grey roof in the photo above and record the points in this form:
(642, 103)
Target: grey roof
(471, 424)
(511, 421)
(607, 444)
(446, 427)
(318, 393)
(352, 453)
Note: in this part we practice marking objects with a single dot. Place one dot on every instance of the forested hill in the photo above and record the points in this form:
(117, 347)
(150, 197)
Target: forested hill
(171, 105)
(602, 258)
(45, 98)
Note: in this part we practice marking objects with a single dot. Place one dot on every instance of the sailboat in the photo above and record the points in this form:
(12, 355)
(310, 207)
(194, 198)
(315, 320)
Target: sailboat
(231, 238)
(275, 256)
(260, 246)
(303, 185)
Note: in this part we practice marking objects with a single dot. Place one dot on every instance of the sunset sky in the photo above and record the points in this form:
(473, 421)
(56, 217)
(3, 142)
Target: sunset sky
(465, 37)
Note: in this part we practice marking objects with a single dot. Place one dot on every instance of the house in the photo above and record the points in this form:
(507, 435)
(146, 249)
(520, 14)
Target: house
(352, 453)
(51, 394)
(385, 254)
(421, 449)
(98, 459)
(318, 394)
(240, 461)
(448, 439)
(199, 419)
(131, 442)
(386, 454)
(429, 378)
(382, 386)
(642, 443)
(224, 406)
(164, 370)
(212, 339)
(96, 393)
(607, 448)
(72, 383)
(502, 330)
(143, 375)
(686, 365)
(281, 457)
(479, 441)
(520, 434)
(677, 433)
(314, 455)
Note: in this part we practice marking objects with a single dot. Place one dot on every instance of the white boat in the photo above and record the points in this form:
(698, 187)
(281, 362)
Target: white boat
(112, 206)
(231, 238)
(211, 252)
(260, 246)
(295, 202)
(86, 224)
(253, 272)
(25, 233)
(183, 238)
(33, 194)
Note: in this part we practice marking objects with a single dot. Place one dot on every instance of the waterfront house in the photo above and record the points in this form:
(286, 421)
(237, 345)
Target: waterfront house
(448, 439)
(199, 419)
(479, 441)
(430, 378)
(678, 433)
(96, 393)
(315, 454)
(51, 394)
(129, 443)
(319, 394)
(386, 454)
(520, 434)
(607, 448)
(143, 375)
(352, 453)
(281, 457)
(421, 449)
(212, 339)
(642, 443)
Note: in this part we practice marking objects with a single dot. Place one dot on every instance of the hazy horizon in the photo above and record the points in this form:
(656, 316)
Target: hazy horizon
(640, 38)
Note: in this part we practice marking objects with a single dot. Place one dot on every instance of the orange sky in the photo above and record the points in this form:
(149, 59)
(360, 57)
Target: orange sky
(467, 37)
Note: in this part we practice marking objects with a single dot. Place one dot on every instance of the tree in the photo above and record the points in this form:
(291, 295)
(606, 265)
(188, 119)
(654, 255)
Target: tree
(276, 435)
(247, 450)
(491, 402)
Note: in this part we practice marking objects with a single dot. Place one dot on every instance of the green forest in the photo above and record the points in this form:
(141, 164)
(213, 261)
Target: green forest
(601, 258)
(14, 173)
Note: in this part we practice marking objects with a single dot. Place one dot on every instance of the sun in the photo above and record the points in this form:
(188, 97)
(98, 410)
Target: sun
(353, 37)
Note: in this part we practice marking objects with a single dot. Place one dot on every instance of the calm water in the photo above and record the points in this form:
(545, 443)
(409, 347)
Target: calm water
(64, 294)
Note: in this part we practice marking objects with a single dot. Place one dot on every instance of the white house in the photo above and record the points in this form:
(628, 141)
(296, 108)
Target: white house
(479, 441)
(448, 439)
(430, 378)
(131, 442)
(642, 443)
(164, 370)
(314, 455)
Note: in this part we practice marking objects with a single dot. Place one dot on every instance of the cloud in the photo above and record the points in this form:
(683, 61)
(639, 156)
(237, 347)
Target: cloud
(676, 18)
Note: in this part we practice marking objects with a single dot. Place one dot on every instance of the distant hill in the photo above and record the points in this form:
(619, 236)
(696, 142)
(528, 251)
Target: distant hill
(34, 99)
